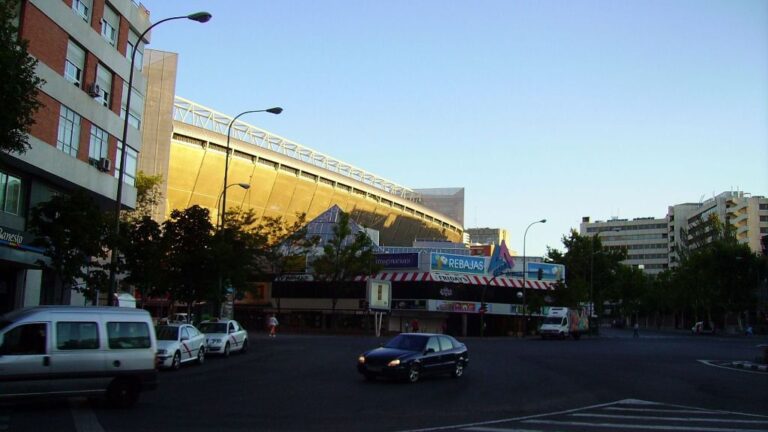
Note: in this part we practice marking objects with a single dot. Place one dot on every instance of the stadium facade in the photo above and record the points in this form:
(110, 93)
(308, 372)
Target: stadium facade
(187, 142)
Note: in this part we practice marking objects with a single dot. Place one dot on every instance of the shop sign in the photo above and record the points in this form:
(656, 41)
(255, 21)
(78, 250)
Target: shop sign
(15, 239)
(457, 263)
(455, 306)
(409, 304)
(398, 260)
(299, 277)
(451, 278)
(446, 292)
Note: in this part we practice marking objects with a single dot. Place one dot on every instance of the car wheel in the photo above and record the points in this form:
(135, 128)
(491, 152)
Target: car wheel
(226, 350)
(201, 355)
(176, 362)
(244, 349)
(122, 393)
(458, 369)
(413, 373)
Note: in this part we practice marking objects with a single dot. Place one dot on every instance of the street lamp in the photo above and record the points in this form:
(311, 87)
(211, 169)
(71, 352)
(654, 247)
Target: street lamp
(201, 17)
(525, 273)
(592, 267)
(245, 186)
(275, 110)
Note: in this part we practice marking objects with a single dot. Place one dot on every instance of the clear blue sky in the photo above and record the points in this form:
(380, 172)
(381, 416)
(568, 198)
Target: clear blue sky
(540, 109)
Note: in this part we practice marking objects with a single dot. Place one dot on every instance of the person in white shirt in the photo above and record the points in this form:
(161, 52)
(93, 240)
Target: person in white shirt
(273, 326)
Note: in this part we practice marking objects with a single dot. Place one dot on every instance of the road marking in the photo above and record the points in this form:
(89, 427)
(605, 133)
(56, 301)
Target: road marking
(686, 419)
(713, 364)
(627, 405)
(84, 417)
(637, 426)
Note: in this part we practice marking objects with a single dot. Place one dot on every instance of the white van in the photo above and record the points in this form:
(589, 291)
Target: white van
(77, 351)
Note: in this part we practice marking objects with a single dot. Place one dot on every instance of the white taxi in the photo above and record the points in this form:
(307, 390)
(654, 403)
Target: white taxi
(224, 337)
(179, 343)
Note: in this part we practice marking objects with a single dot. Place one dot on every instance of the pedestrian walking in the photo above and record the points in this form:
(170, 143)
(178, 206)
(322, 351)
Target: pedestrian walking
(415, 325)
(273, 325)
(636, 330)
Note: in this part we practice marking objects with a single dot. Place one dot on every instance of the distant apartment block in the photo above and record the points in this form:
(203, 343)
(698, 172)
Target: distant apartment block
(487, 236)
(654, 244)
(746, 214)
(645, 240)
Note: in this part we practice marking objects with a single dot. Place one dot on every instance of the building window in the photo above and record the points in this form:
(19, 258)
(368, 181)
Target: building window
(82, 8)
(99, 143)
(68, 139)
(104, 81)
(133, 42)
(131, 161)
(137, 106)
(110, 23)
(10, 194)
(73, 67)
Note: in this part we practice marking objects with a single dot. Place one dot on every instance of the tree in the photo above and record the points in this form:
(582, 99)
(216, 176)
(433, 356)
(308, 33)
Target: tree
(73, 233)
(148, 196)
(344, 256)
(286, 247)
(145, 254)
(191, 273)
(584, 259)
(18, 83)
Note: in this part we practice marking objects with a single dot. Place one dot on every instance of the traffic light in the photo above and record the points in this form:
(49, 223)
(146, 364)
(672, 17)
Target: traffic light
(540, 274)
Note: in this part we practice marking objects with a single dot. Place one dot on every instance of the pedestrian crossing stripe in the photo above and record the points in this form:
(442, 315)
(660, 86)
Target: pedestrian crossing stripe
(623, 414)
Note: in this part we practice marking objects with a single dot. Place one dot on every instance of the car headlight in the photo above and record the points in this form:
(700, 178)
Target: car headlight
(161, 351)
(361, 359)
(393, 363)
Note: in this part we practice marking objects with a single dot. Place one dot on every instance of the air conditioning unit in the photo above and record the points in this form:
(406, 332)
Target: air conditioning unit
(104, 164)
(94, 90)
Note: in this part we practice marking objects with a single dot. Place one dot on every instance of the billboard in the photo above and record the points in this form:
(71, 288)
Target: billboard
(379, 295)
(550, 272)
(456, 263)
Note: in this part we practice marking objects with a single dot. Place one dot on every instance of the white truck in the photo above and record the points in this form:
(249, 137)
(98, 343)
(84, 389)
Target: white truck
(562, 322)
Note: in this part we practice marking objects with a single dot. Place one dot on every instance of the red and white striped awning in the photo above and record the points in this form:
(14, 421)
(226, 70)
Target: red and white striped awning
(500, 281)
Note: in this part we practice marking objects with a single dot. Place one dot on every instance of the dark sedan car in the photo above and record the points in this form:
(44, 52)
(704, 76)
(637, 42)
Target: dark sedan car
(411, 355)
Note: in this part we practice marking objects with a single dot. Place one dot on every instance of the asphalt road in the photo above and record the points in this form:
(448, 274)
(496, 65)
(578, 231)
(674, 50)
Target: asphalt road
(309, 383)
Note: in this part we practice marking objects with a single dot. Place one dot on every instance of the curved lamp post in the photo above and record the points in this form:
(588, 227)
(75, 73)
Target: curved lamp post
(525, 273)
(219, 209)
(275, 110)
(201, 17)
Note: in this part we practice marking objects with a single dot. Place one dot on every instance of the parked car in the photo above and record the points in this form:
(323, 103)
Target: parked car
(703, 327)
(179, 343)
(77, 351)
(411, 355)
(224, 337)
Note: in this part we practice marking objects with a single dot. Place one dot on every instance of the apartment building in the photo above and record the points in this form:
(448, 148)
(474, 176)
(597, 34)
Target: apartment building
(645, 239)
(746, 214)
(487, 236)
(83, 48)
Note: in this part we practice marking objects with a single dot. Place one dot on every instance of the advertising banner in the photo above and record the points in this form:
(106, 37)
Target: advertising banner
(457, 263)
(398, 260)
(379, 295)
(550, 272)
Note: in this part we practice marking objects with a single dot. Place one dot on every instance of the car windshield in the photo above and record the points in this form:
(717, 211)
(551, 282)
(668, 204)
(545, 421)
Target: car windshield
(213, 327)
(167, 333)
(408, 342)
(553, 320)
